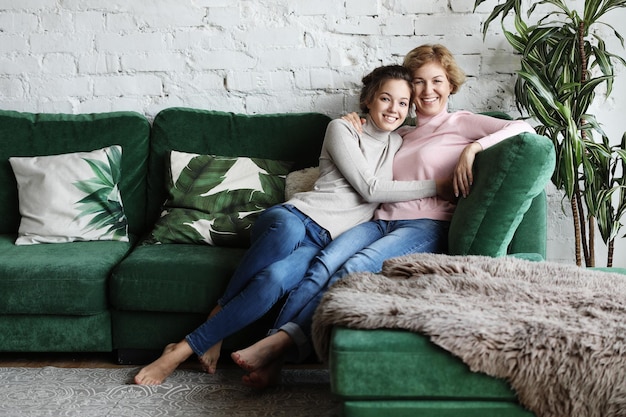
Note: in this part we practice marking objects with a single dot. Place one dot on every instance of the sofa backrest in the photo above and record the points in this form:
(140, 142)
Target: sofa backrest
(295, 137)
(29, 134)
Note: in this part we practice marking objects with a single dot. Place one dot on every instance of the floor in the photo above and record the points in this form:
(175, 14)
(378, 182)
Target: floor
(70, 360)
(102, 360)
(82, 391)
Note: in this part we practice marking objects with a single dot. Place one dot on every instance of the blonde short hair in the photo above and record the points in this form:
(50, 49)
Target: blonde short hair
(424, 54)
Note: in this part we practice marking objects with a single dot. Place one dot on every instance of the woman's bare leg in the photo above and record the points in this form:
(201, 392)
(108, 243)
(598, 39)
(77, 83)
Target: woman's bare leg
(210, 357)
(264, 352)
(173, 355)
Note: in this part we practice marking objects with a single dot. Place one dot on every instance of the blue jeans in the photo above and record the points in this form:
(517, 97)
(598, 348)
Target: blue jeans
(284, 241)
(388, 239)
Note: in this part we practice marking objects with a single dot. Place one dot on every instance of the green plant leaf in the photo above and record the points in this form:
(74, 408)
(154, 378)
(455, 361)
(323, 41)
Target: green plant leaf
(502, 9)
(592, 124)
(539, 110)
(596, 9)
(558, 3)
(559, 55)
(515, 41)
(542, 90)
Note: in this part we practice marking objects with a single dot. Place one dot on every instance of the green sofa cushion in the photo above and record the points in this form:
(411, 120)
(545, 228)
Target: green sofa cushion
(28, 134)
(61, 278)
(182, 278)
(508, 176)
(382, 363)
(294, 137)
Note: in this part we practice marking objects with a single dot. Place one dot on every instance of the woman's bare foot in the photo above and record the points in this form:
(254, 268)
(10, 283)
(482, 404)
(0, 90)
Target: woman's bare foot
(209, 359)
(173, 355)
(263, 352)
(264, 377)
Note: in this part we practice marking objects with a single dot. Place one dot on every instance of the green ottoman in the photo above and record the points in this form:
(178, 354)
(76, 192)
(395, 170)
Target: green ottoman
(398, 373)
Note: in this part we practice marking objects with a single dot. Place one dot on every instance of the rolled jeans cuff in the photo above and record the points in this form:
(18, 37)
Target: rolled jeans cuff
(301, 341)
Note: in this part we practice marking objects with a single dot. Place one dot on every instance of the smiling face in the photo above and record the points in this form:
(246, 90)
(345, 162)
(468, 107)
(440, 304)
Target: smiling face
(390, 105)
(431, 88)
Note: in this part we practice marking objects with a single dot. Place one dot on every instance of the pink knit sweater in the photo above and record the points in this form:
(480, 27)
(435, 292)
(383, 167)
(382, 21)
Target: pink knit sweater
(431, 150)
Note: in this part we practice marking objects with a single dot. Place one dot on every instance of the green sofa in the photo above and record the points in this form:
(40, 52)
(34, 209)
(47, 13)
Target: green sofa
(132, 299)
(124, 297)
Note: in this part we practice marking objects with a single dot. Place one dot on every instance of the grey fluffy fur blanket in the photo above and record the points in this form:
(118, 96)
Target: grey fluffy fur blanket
(555, 332)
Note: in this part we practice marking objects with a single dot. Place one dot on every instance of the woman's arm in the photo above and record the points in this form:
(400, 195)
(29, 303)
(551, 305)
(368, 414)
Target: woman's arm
(489, 130)
(342, 145)
(444, 186)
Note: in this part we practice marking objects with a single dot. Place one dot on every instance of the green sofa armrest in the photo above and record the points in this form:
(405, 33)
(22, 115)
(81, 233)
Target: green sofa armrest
(507, 178)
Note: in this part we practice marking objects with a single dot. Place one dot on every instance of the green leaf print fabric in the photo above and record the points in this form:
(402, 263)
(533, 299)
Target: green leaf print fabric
(215, 200)
(103, 205)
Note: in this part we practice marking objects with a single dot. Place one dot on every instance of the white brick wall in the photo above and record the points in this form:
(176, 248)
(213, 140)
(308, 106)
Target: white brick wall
(251, 56)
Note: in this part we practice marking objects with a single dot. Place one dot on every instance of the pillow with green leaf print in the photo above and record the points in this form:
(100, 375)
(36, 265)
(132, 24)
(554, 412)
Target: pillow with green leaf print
(215, 200)
(70, 197)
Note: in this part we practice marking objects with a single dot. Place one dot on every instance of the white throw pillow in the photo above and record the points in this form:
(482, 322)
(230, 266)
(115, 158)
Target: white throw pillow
(300, 181)
(70, 197)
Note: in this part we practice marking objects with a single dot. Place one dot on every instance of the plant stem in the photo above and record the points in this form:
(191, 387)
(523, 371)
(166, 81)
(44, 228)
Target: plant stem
(587, 244)
(577, 238)
(581, 50)
(592, 241)
(581, 224)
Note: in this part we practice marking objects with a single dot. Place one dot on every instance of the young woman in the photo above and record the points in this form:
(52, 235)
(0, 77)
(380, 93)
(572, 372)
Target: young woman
(355, 176)
(442, 145)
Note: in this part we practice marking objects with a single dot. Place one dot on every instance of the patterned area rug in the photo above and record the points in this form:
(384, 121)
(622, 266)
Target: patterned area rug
(100, 392)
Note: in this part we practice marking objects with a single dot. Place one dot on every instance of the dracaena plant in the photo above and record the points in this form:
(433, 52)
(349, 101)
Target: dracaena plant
(605, 188)
(564, 61)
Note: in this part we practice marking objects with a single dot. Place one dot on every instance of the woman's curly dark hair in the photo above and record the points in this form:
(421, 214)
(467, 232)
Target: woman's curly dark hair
(373, 81)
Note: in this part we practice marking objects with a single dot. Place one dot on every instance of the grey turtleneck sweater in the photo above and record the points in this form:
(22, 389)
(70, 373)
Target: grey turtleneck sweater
(355, 176)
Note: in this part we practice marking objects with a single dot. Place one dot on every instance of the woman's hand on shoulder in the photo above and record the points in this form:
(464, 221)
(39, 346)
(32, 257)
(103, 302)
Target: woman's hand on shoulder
(355, 120)
(463, 175)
